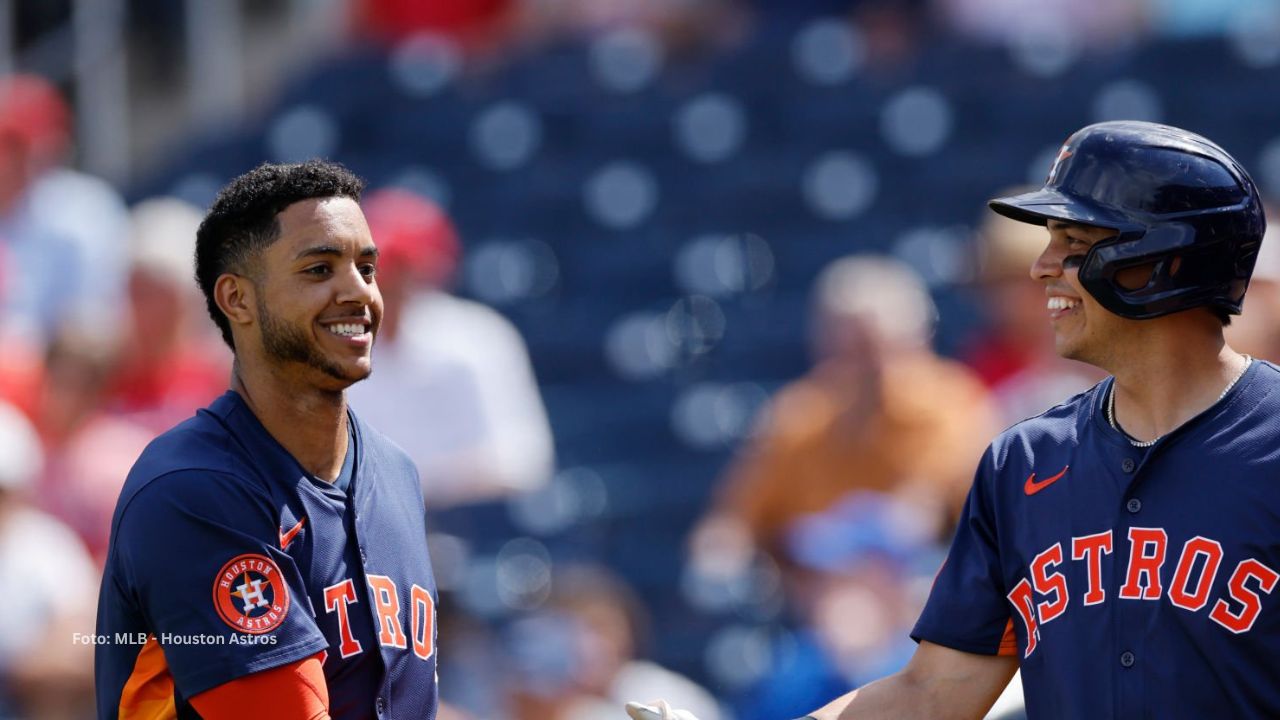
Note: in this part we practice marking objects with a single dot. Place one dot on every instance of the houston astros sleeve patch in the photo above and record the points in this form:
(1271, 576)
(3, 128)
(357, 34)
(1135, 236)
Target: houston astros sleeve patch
(250, 594)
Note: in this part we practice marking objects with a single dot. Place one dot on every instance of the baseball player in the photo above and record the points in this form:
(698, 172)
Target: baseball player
(268, 556)
(1123, 547)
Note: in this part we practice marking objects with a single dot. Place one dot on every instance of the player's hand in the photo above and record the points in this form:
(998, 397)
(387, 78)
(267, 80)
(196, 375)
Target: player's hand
(657, 710)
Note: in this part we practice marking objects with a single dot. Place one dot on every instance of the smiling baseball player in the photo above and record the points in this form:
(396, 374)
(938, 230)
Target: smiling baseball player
(268, 557)
(1121, 548)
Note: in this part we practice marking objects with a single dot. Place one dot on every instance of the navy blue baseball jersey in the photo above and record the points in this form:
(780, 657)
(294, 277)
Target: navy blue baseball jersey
(1131, 582)
(228, 558)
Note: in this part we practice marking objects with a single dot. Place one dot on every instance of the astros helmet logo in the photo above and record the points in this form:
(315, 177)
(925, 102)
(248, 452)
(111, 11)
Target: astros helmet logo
(250, 594)
(1063, 154)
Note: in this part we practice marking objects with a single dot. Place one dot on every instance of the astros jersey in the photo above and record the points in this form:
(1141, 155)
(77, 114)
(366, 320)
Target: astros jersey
(228, 558)
(1131, 582)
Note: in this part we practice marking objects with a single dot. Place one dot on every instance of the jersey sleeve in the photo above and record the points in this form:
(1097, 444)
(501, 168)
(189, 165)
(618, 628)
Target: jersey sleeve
(967, 609)
(198, 554)
(297, 691)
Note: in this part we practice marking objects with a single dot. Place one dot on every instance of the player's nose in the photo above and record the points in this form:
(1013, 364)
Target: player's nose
(355, 287)
(1047, 265)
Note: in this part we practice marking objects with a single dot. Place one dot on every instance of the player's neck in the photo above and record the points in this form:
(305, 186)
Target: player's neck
(1170, 379)
(308, 422)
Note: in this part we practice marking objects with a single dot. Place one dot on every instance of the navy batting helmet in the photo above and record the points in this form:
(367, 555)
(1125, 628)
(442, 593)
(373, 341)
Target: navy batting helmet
(1179, 203)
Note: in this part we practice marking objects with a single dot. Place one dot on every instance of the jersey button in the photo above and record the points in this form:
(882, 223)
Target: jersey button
(1127, 465)
(381, 705)
(364, 558)
(1134, 505)
(1126, 659)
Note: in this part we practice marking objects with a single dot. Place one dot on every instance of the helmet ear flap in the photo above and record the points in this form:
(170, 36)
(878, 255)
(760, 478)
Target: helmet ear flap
(1136, 278)
(1178, 271)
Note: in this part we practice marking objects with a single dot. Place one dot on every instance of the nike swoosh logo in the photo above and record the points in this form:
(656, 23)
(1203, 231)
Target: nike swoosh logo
(287, 536)
(1032, 487)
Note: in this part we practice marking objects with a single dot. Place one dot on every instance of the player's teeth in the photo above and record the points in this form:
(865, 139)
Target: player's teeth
(346, 329)
(1061, 303)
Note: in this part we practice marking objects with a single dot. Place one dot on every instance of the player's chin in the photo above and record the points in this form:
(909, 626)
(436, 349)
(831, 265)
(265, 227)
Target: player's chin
(344, 374)
(1069, 347)
(362, 374)
(354, 372)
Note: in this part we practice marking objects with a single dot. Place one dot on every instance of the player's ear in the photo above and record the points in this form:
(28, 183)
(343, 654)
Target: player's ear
(235, 297)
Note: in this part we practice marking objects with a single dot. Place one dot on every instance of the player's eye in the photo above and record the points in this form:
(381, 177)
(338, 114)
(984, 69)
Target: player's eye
(318, 270)
(368, 269)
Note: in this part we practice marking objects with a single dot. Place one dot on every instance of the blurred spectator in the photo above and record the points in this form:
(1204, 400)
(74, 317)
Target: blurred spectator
(80, 487)
(63, 232)
(472, 682)
(169, 363)
(894, 31)
(862, 570)
(44, 673)
(468, 21)
(104, 398)
(1256, 331)
(452, 383)
(20, 375)
(680, 24)
(1098, 23)
(576, 657)
(73, 385)
(84, 477)
(891, 31)
(878, 411)
(1014, 353)
(872, 557)
(20, 363)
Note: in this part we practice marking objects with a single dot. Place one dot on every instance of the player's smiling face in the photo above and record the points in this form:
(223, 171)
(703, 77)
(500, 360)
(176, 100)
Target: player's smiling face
(1082, 328)
(318, 305)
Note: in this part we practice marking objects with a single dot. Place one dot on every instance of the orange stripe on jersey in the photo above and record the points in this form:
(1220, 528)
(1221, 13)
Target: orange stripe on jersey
(148, 695)
(1008, 643)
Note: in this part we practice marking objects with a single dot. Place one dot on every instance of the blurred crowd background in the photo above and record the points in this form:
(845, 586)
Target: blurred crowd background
(697, 323)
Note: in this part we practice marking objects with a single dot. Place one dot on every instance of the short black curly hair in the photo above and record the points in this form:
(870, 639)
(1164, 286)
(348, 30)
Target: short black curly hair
(244, 219)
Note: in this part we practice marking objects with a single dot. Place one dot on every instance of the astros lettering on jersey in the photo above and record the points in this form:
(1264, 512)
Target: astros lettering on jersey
(221, 536)
(1131, 582)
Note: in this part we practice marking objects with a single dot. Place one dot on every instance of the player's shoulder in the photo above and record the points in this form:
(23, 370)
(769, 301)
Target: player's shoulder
(1267, 378)
(214, 468)
(1060, 425)
(196, 458)
(1257, 397)
(204, 441)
